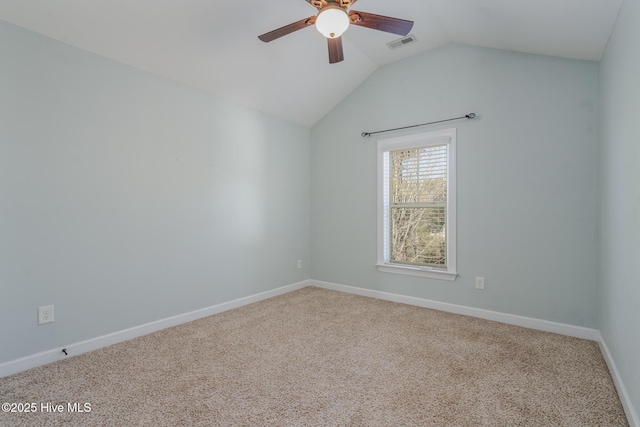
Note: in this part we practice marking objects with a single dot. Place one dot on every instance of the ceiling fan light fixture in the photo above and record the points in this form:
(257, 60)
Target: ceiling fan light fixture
(332, 21)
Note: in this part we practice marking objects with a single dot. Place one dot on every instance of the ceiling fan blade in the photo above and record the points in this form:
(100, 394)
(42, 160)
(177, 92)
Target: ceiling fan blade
(287, 29)
(381, 23)
(335, 50)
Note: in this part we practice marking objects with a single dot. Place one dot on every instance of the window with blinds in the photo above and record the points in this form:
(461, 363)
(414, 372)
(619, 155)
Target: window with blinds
(416, 220)
(418, 206)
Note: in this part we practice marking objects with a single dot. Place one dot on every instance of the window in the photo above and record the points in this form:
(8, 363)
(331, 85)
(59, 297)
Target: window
(417, 205)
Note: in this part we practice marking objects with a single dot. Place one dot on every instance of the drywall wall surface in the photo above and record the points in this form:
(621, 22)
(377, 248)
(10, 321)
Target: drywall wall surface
(126, 198)
(620, 199)
(527, 181)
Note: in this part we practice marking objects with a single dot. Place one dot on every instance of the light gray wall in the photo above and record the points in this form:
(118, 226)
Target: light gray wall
(125, 198)
(620, 190)
(527, 179)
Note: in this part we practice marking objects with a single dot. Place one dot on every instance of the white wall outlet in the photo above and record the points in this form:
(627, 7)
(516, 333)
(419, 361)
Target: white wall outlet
(45, 314)
(479, 282)
(299, 264)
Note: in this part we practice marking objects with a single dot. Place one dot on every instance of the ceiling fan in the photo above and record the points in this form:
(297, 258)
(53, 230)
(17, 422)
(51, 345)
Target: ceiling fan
(333, 19)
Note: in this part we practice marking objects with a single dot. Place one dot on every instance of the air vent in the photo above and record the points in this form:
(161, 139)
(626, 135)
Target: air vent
(401, 42)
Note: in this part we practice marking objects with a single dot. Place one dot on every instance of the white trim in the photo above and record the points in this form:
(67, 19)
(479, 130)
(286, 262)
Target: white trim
(423, 139)
(50, 356)
(426, 139)
(625, 399)
(418, 271)
(18, 365)
(511, 319)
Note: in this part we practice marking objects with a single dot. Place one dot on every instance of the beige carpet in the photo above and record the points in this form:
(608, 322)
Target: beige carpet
(315, 357)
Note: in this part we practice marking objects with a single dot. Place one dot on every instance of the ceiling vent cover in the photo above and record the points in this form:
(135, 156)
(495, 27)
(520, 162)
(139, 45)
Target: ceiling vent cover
(401, 42)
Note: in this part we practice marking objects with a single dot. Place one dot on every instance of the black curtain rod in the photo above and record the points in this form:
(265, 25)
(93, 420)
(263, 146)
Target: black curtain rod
(468, 116)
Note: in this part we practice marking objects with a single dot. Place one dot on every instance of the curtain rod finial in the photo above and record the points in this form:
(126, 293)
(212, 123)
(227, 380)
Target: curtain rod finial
(365, 134)
(470, 115)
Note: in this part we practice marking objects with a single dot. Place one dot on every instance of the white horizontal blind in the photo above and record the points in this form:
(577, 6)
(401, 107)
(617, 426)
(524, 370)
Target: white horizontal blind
(415, 187)
(385, 204)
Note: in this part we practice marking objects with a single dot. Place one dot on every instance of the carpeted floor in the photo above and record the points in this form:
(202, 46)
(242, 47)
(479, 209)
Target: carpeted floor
(315, 357)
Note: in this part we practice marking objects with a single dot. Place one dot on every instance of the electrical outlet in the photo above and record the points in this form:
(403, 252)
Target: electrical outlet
(479, 282)
(45, 314)
(299, 264)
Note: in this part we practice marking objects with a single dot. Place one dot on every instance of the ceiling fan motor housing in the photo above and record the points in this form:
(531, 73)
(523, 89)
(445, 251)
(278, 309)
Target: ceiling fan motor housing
(319, 4)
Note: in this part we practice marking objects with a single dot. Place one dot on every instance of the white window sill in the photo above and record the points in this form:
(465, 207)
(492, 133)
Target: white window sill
(418, 271)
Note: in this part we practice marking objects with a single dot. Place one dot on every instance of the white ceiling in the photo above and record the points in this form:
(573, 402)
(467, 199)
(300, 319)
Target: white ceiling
(213, 45)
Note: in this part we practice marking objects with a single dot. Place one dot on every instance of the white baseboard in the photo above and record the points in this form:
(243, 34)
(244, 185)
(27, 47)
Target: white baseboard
(625, 399)
(527, 322)
(49, 356)
(512, 319)
(18, 365)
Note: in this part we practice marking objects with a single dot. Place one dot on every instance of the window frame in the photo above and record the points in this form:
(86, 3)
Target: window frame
(425, 139)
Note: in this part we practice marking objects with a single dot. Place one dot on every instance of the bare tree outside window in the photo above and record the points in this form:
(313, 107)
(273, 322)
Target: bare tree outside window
(418, 204)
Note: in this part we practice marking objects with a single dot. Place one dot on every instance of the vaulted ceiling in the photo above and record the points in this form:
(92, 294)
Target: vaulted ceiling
(213, 45)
